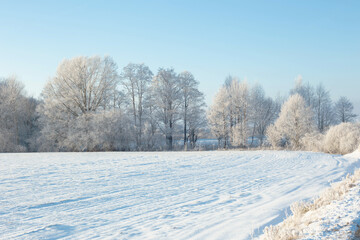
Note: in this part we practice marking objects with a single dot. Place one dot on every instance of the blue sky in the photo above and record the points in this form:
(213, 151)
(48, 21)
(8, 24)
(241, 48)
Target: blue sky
(266, 42)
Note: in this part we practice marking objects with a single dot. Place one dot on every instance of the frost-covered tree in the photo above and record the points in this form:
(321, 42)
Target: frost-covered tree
(151, 136)
(239, 101)
(344, 110)
(167, 94)
(82, 88)
(323, 108)
(100, 131)
(318, 100)
(17, 116)
(136, 79)
(274, 136)
(263, 111)
(81, 85)
(192, 108)
(294, 122)
(304, 90)
(197, 123)
(218, 117)
(239, 112)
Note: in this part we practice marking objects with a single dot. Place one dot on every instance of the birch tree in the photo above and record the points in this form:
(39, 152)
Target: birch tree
(263, 112)
(167, 95)
(344, 110)
(192, 106)
(136, 79)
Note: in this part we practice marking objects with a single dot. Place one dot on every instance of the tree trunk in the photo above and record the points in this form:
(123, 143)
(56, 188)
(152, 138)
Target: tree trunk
(185, 135)
(169, 142)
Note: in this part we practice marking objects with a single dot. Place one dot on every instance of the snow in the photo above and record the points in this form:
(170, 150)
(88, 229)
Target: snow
(157, 195)
(355, 155)
(336, 221)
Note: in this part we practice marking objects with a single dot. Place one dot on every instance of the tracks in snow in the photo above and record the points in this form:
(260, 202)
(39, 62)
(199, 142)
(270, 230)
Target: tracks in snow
(177, 195)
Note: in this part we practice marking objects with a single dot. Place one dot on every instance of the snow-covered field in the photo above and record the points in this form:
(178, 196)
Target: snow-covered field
(176, 195)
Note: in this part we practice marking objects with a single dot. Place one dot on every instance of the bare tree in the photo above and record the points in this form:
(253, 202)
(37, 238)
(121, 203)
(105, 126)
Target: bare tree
(304, 90)
(323, 108)
(344, 110)
(263, 113)
(167, 95)
(136, 79)
(192, 107)
(151, 133)
(17, 116)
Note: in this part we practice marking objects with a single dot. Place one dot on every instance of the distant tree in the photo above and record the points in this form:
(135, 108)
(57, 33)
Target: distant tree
(323, 108)
(318, 100)
(239, 112)
(294, 122)
(344, 110)
(136, 78)
(197, 123)
(274, 136)
(304, 90)
(263, 112)
(17, 116)
(151, 134)
(239, 102)
(100, 131)
(218, 117)
(167, 95)
(192, 108)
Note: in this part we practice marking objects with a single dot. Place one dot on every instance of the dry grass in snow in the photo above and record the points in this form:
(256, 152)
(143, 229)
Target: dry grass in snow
(306, 213)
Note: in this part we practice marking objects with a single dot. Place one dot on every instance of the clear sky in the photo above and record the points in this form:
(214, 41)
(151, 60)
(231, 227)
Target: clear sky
(268, 42)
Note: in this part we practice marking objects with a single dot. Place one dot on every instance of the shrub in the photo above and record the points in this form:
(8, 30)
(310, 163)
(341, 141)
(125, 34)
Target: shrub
(313, 142)
(343, 138)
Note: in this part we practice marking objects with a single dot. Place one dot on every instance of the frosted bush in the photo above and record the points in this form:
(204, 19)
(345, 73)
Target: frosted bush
(313, 142)
(273, 136)
(8, 142)
(343, 138)
(299, 208)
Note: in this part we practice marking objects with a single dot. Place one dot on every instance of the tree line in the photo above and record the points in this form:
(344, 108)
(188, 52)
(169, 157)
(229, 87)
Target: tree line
(241, 113)
(89, 106)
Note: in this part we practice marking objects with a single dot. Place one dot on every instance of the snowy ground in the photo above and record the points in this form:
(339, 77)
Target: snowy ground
(339, 220)
(177, 195)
